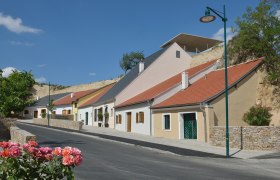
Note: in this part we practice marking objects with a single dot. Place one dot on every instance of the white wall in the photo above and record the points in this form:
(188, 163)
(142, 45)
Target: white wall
(141, 128)
(58, 109)
(82, 115)
(166, 66)
(30, 114)
(111, 120)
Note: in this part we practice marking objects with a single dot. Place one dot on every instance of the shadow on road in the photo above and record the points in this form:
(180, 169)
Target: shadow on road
(60, 143)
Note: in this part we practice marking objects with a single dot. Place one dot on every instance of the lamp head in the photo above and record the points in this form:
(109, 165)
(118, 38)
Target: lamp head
(207, 17)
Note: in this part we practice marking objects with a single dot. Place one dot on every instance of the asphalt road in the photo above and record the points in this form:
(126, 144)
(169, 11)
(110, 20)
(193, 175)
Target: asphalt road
(106, 159)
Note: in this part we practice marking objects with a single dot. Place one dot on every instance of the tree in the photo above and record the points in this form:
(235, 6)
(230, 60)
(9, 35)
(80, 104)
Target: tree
(130, 60)
(259, 36)
(258, 116)
(15, 92)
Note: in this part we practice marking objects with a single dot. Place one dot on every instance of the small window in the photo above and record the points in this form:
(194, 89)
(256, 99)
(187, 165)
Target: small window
(26, 112)
(141, 117)
(120, 119)
(54, 112)
(166, 121)
(137, 118)
(178, 54)
(75, 105)
(69, 111)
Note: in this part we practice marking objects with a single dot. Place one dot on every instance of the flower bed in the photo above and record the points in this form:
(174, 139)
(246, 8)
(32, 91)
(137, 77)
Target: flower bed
(33, 162)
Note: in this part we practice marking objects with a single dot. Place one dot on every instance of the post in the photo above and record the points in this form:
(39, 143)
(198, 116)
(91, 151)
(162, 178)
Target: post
(226, 81)
(49, 106)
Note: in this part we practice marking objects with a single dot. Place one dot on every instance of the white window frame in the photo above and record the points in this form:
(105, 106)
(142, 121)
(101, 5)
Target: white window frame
(163, 122)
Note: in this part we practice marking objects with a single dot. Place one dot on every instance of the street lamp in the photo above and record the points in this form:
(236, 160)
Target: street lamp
(209, 18)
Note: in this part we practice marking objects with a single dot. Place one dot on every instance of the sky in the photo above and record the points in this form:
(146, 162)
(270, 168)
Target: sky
(70, 42)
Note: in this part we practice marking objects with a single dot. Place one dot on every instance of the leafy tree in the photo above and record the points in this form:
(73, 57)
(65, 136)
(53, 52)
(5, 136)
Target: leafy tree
(15, 92)
(130, 60)
(259, 36)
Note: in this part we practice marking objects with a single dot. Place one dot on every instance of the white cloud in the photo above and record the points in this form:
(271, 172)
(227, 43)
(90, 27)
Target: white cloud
(15, 25)
(278, 14)
(8, 70)
(20, 43)
(92, 74)
(41, 65)
(41, 80)
(220, 34)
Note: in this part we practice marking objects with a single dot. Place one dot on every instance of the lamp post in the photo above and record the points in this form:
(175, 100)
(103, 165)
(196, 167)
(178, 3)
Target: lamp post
(49, 105)
(209, 18)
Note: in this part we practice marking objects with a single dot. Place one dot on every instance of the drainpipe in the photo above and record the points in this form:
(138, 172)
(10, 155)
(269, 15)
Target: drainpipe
(151, 117)
(204, 117)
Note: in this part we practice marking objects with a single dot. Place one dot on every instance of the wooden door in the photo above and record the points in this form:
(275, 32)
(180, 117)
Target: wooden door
(35, 114)
(128, 118)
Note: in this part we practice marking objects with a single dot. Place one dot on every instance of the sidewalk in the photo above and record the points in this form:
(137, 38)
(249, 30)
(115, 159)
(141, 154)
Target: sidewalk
(173, 145)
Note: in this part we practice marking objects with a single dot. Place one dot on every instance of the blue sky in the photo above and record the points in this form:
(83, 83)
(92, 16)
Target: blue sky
(72, 42)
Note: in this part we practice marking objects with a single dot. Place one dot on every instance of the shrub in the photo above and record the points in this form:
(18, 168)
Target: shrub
(44, 115)
(106, 115)
(33, 162)
(257, 116)
(100, 116)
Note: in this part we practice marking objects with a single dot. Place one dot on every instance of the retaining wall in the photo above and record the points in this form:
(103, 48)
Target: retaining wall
(250, 137)
(67, 124)
(21, 136)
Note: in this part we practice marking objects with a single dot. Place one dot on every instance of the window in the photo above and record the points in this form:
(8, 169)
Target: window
(75, 105)
(118, 119)
(141, 117)
(54, 112)
(177, 54)
(69, 111)
(137, 118)
(26, 112)
(166, 121)
(95, 115)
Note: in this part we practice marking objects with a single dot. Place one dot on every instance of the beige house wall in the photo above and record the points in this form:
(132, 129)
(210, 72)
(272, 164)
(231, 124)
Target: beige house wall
(176, 131)
(166, 66)
(241, 98)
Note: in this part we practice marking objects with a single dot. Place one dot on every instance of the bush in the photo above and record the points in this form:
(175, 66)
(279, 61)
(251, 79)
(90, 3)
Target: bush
(258, 116)
(43, 115)
(100, 116)
(33, 162)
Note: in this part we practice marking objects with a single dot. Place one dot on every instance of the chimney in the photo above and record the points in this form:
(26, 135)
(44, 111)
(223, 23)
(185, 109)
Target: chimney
(141, 66)
(72, 95)
(185, 80)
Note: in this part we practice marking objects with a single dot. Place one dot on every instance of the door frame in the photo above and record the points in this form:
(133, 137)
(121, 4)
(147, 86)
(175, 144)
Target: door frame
(126, 114)
(35, 113)
(181, 123)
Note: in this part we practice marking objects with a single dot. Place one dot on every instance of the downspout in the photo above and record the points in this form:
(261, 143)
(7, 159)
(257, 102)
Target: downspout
(204, 117)
(151, 119)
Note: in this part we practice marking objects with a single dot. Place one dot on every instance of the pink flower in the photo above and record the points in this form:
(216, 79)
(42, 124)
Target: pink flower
(5, 153)
(14, 151)
(4, 144)
(45, 150)
(12, 144)
(57, 151)
(78, 160)
(25, 146)
(68, 160)
(67, 151)
(49, 157)
(76, 151)
(33, 143)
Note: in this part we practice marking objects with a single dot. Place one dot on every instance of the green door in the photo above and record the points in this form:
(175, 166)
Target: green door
(190, 126)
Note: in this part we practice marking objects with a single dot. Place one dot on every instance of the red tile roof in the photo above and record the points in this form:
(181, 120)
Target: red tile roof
(67, 100)
(102, 90)
(164, 86)
(206, 88)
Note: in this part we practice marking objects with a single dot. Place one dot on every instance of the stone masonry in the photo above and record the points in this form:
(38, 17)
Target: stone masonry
(250, 137)
(67, 124)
